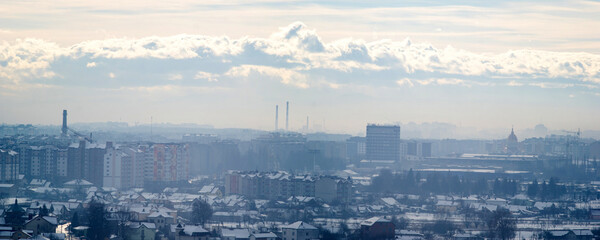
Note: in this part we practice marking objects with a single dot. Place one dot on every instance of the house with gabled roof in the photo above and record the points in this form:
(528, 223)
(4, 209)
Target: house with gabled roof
(189, 232)
(41, 224)
(141, 231)
(299, 231)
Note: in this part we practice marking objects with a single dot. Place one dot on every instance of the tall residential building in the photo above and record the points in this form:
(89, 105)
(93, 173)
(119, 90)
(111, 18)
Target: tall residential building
(283, 185)
(383, 142)
(43, 162)
(86, 161)
(138, 166)
(170, 162)
(356, 148)
(117, 168)
(9, 165)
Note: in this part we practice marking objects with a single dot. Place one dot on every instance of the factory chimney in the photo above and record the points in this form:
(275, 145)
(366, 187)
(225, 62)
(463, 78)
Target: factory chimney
(306, 123)
(276, 117)
(287, 110)
(64, 125)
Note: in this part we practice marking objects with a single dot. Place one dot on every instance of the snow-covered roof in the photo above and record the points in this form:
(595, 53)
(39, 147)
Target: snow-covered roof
(160, 214)
(299, 225)
(390, 201)
(139, 224)
(373, 220)
(236, 233)
(79, 182)
(191, 229)
(265, 235)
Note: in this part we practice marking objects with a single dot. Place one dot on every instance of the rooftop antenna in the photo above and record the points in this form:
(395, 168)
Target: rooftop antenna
(150, 128)
(287, 109)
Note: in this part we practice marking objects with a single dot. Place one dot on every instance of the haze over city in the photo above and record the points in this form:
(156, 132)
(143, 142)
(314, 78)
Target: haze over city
(299, 120)
(226, 64)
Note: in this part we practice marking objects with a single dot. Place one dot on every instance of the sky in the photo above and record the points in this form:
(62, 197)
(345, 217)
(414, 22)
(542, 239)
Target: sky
(479, 64)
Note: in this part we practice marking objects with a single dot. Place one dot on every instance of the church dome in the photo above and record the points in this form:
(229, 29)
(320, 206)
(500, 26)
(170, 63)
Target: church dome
(512, 137)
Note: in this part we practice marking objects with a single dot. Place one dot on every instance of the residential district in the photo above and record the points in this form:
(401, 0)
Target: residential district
(293, 186)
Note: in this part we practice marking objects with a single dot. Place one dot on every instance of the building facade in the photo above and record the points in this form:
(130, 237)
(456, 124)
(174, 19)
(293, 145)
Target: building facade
(383, 142)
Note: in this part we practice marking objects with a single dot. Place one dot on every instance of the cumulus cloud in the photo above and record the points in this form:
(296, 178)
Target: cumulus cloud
(551, 85)
(297, 57)
(405, 82)
(286, 76)
(514, 83)
(207, 76)
(175, 77)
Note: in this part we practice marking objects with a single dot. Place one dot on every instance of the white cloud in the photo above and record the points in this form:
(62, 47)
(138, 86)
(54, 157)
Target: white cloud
(442, 81)
(551, 85)
(175, 77)
(286, 76)
(207, 76)
(514, 83)
(296, 54)
(405, 82)
(111, 75)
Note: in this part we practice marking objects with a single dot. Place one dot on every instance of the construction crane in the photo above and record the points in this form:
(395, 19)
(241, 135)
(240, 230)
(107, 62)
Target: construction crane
(578, 133)
(89, 139)
(65, 129)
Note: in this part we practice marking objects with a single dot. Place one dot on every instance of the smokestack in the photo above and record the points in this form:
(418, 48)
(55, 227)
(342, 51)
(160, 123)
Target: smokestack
(306, 123)
(287, 110)
(64, 125)
(276, 117)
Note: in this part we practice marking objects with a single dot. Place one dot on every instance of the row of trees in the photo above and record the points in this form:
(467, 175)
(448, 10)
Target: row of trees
(439, 183)
(500, 225)
(447, 183)
(546, 190)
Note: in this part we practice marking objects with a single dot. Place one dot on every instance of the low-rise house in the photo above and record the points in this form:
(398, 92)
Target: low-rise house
(189, 232)
(39, 183)
(78, 184)
(521, 199)
(263, 236)
(543, 205)
(141, 231)
(211, 190)
(8, 189)
(408, 235)
(299, 231)
(235, 234)
(466, 236)
(446, 206)
(559, 234)
(571, 234)
(496, 201)
(377, 228)
(40, 224)
(161, 219)
(583, 234)
(15, 234)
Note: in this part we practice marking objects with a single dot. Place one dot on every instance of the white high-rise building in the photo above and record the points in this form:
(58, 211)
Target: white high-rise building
(113, 167)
